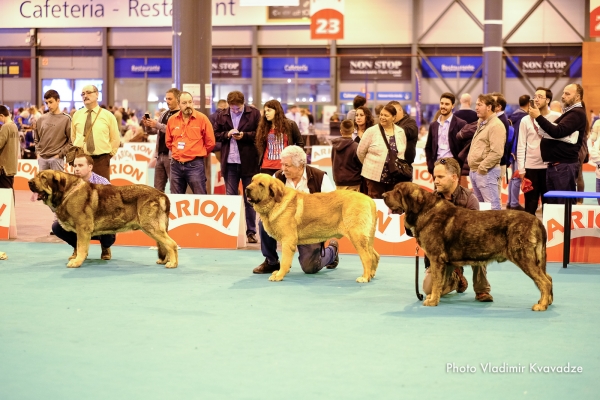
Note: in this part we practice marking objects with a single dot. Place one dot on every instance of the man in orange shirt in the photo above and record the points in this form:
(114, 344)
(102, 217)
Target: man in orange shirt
(190, 138)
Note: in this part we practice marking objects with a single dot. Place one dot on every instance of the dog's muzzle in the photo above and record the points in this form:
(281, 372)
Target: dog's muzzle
(41, 195)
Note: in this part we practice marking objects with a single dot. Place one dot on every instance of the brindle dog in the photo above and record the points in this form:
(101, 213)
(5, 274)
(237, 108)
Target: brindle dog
(454, 236)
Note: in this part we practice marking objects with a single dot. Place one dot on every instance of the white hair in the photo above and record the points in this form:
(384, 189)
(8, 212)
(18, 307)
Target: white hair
(297, 155)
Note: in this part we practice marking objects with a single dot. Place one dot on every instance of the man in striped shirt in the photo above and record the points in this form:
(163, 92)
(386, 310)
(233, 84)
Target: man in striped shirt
(83, 166)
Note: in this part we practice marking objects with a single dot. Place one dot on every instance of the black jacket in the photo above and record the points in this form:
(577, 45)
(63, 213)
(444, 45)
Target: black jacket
(345, 163)
(506, 155)
(411, 131)
(431, 147)
(467, 115)
(248, 124)
(465, 136)
(556, 151)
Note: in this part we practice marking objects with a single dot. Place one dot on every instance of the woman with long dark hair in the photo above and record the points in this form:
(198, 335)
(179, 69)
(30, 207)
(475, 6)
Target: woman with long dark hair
(363, 120)
(275, 132)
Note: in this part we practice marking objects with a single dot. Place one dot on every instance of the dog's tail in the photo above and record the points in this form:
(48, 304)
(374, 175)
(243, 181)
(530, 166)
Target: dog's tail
(165, 204)
(540, 246)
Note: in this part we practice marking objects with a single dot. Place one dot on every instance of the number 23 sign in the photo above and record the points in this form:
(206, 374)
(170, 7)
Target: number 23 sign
(327, 19)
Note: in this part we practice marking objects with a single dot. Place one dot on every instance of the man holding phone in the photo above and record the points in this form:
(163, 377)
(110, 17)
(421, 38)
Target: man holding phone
(529, 157)
(235, 127)
(162, 169)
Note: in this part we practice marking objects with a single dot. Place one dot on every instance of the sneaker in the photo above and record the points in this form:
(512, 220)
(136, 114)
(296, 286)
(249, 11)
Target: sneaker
(484, 297)
(463, 284)
(334, 243)
(106, 255)
(251, 237)
(266, 268)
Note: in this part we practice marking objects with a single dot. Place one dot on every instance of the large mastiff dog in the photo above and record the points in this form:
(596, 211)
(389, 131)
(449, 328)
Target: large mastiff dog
(453, 236)
(293, 218)
(90, 210)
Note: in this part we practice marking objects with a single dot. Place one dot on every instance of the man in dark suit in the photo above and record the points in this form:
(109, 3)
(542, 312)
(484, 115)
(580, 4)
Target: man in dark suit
(235, 128)
(442, 141)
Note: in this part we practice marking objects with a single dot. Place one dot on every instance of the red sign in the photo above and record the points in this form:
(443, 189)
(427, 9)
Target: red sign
(595, 22)
(327, 24)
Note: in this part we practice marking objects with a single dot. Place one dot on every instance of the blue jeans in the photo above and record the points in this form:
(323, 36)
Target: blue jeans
(232, 183)
(562, 176)
(485, 187)
(309, 255)
(71, 237)
(514, 187)
(188, 173)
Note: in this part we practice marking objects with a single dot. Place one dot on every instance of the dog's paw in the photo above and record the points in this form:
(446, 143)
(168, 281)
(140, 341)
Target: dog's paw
(171, 265)
(276, 277)
(162, 262)
(362, 279)
(539, 307)
(74, 263)
(430, 303)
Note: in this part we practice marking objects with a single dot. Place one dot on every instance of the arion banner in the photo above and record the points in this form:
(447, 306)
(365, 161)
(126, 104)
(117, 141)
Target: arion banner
(199, 221)
(585, 233)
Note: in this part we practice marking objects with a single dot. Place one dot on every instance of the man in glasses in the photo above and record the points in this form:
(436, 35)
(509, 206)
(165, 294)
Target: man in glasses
(96, 131)
(162, 170)
(190, 138)
(529, 157)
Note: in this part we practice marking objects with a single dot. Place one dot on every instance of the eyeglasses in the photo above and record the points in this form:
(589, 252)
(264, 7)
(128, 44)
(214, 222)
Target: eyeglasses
(87, 92)
(537, 96)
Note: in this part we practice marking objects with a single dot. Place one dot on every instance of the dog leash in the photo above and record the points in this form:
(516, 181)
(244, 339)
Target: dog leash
(419, 295)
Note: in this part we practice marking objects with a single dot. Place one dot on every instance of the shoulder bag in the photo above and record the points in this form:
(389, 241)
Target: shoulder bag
(399, 169)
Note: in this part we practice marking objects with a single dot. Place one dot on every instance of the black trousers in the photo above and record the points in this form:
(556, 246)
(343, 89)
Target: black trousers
(71, 237)
(538, 181)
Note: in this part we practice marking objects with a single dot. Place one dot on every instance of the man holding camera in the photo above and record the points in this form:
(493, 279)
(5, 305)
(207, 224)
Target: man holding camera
(529, 157)
(162, 169)
(560, 150)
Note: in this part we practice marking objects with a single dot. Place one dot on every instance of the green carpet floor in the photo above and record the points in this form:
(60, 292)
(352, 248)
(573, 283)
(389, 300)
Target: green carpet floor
(210, 329)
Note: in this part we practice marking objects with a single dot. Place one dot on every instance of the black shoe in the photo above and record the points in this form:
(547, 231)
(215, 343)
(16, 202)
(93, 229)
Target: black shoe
(334, 243)
(266, 268)
(251, 237)
(52, 233)
(517, 207)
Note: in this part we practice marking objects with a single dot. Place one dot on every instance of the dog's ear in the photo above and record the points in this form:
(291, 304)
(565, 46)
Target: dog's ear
(57, 183)
(276, 189)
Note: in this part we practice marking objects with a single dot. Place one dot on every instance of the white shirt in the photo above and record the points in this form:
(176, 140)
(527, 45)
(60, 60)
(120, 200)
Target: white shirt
(528, 146)
(594, 150)
(326, 185)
